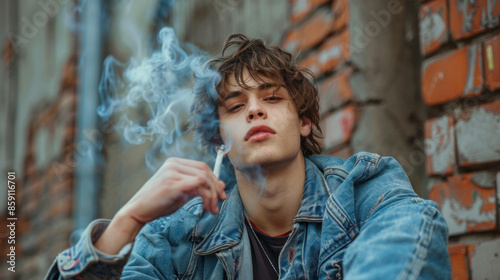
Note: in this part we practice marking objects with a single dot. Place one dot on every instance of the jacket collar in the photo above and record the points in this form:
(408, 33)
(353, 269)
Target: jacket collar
(315, 195)
(225, 230)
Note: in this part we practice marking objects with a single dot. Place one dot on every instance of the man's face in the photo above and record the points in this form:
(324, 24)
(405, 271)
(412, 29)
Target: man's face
(260, 124)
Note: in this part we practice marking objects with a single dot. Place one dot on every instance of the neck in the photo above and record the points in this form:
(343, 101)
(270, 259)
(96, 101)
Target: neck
(273, 199)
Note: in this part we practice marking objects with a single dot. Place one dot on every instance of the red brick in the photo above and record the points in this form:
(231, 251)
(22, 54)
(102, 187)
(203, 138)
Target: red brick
(30, 207)
(452, 75)
(335, 91)
(478, 134)
(468, 18)
(310, 33)
(433, 26)
(440, 145)
(301, 8)
(484, 259)
(292, 41)
(334, 52)
(30, 167)
(340, 9)
(63, 206)
(338, 127)
(467, 202)
(491, 55)
(498, 190)
(311, 63)
(57, 186)
(459, 262)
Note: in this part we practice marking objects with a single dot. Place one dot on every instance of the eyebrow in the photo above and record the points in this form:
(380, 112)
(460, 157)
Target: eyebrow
(236, 93)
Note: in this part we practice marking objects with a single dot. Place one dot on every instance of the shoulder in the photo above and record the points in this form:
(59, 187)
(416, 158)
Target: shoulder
(364, 171)
(366, 182)
(368, 163)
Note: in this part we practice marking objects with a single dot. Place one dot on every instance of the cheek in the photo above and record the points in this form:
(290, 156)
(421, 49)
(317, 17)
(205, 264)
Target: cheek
(230, 132)
(292, 123)
(232, 137)
(225, 135)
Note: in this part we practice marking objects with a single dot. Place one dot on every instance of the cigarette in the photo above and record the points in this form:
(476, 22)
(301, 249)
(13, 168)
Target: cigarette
(218, 161)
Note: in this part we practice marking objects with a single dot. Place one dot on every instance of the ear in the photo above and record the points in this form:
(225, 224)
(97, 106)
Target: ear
(305, 126)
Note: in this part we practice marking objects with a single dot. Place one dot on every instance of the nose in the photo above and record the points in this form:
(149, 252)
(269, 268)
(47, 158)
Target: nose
(255, 110)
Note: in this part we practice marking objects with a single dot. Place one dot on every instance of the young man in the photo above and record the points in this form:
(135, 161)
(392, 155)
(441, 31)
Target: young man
(284, 213)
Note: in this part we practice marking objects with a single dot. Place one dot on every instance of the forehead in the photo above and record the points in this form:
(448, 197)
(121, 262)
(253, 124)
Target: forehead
(245, 81)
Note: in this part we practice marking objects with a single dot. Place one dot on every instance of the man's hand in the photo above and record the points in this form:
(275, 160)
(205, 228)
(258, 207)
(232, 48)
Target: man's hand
(176, 182)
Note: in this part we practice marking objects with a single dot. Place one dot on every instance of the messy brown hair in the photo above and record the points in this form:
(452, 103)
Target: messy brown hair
(261, 61)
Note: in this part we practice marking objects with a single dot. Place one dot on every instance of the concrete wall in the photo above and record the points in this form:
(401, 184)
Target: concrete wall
(130, 35)
(40, 62)
(205, 24)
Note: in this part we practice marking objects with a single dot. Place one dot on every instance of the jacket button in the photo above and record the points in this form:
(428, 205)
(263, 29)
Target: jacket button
(63, 259)
(291, 255)
(66, 263)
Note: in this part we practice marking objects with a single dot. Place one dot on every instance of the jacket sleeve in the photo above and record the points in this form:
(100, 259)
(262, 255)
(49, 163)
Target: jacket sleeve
(150, 257)
(84, 261)
(399, 235)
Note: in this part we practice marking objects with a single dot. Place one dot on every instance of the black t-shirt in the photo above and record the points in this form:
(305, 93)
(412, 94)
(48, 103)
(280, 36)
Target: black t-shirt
(262, 269)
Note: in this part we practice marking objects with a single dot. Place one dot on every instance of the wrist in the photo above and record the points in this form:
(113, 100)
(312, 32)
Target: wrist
(126, 225)
(121, 231)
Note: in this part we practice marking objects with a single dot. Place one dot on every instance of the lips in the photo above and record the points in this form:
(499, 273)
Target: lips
(259, 132)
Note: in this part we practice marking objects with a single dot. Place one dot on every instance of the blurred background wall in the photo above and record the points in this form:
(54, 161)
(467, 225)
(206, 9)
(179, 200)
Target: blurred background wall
(416, 80)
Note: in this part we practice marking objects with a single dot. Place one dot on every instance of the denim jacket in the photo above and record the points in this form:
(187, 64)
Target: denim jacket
(359, 219)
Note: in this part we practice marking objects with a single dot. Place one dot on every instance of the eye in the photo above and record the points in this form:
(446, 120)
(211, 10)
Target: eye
(234, 108)
(274, 98)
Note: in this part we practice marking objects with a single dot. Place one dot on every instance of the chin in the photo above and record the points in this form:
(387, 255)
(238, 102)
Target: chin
(264, 159)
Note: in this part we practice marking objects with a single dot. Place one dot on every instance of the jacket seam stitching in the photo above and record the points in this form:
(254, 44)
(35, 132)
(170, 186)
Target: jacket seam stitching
(424, 240)
(351, 225)
(336, 218)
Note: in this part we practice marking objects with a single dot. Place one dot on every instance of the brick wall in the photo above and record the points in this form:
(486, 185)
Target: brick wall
(319, 33)
(450, 128)
(45, 192)
(460, 48)
(40, 131)
(353, 48)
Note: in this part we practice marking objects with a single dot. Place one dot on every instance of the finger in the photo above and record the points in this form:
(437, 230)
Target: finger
(221, 186)
(186, 162)
(195, 168)
(215, 201)
(209, 181)
(210, 195)
(191, 170)
(200, 186)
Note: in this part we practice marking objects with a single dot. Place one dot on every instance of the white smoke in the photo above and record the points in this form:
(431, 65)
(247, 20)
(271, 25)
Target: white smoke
(163, 84)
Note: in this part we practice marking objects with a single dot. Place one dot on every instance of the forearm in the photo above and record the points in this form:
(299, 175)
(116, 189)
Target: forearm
(121, 231)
